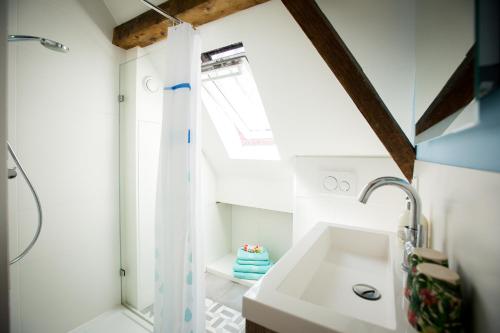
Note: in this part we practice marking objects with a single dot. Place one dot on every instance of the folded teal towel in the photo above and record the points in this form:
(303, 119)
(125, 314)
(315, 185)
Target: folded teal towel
(247, 276)
(242, 254)
(253, 262)
(250, 268)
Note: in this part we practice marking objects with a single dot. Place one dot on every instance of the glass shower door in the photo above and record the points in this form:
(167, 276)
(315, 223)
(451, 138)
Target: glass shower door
(141, 101)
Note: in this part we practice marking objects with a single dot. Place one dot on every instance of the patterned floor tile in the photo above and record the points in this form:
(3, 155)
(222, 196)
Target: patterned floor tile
(219, 318)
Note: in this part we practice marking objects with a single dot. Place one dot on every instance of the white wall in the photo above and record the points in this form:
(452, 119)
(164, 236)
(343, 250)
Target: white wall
(312, 205)
(268, 228)
(384, 46)
(63, 122)
(4, 266)
(216, 217)
(462, 206)
(440, 45)
(260, 192)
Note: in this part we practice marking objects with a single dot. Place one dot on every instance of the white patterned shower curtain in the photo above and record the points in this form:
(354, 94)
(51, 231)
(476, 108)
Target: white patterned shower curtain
(179, 283)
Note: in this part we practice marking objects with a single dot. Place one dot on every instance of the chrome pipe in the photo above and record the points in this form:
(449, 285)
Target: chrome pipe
(163, 13)
(23, 38)
(38, 205)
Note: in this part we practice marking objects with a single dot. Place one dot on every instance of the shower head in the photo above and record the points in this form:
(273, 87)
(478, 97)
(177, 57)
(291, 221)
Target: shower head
(48, 43)
(53, 45)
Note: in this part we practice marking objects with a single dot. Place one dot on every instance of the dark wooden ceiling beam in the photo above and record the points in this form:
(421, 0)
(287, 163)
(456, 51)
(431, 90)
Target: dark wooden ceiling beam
(456, 94)
(150, 27)
(337, 56)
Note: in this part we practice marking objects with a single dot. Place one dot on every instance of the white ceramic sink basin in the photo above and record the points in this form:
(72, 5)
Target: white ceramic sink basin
(310, 288)
(339, 259)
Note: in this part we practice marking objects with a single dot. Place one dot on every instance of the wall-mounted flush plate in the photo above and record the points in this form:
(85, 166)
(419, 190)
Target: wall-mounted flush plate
(337, 182)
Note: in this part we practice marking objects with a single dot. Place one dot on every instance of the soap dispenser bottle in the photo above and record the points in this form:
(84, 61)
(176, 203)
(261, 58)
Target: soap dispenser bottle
(404, 223)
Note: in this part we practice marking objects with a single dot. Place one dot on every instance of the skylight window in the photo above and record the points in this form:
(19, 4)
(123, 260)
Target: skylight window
(231, 98)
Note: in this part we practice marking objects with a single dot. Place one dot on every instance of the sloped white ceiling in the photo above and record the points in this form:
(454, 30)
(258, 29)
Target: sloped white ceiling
(124, 10)
(309, 111)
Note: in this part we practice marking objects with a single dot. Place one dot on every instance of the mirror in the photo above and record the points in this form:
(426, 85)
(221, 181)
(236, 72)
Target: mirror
(488, 35)
(444, 67)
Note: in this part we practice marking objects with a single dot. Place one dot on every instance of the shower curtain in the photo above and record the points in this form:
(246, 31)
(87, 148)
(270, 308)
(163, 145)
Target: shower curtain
(179, 281)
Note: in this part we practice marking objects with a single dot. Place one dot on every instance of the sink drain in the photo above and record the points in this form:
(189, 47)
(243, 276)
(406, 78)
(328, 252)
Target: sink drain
(366, 291)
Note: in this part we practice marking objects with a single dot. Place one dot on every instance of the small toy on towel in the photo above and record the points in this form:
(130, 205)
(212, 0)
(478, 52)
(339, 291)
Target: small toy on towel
(253, 248)
(245, 255)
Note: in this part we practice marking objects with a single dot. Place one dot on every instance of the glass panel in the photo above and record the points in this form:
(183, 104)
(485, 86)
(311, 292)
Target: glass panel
(141, 83)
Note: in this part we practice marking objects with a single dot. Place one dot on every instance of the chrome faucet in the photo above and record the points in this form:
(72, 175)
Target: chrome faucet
(415, 235)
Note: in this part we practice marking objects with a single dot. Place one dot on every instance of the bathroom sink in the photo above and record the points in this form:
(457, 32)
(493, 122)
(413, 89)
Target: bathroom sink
(339, 259)
(311, 288)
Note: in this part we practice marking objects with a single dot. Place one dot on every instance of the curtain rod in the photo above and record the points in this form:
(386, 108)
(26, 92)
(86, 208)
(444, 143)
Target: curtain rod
(162, 12)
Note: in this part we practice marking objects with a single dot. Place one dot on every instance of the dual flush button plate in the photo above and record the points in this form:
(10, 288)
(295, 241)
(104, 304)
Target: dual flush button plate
(338, 182)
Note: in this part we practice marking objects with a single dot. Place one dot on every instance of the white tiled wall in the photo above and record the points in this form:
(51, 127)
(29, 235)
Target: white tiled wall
(463, 208)
(312, 204)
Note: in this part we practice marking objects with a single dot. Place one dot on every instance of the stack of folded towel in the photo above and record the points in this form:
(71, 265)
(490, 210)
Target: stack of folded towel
(252, 262)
